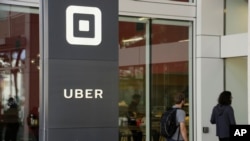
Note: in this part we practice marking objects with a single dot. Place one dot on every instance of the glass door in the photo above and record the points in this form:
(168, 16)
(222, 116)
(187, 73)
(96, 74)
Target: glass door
(132, 44)
(171, 47)
(155, 62)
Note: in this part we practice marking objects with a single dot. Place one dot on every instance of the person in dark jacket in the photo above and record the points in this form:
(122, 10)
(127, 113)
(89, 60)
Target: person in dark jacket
(223, 116)
(11, 121)
(133, 115)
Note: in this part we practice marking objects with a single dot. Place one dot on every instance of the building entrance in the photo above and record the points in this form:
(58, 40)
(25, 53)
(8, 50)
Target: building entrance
(154, 66)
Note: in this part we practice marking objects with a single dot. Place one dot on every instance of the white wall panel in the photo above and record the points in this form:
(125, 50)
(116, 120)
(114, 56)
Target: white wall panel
(208, 46)
(209, 66)
(210, 17)
(234, 45)
(209, 83)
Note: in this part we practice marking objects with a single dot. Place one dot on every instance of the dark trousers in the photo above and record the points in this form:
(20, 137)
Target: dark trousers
(169, 139)
(137, 135)
(223, 139)
(11, 132)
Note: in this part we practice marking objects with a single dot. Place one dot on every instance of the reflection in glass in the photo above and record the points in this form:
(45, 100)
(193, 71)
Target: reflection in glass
(132, 80)
(168, 51)
(169, 67)
(19, 73)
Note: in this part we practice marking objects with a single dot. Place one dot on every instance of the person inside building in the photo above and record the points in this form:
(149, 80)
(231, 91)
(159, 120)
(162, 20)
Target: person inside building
(133, 116)
(11, 121)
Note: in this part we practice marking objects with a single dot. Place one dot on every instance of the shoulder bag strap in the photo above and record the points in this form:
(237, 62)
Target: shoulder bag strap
(179, 128)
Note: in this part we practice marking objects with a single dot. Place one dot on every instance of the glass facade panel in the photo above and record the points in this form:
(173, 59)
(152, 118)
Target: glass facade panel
(168, 45)
(169, 67)
(19, 73)
(132, 79)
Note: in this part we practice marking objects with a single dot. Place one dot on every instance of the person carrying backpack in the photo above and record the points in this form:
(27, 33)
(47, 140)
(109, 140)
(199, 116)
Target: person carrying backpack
(180, 134)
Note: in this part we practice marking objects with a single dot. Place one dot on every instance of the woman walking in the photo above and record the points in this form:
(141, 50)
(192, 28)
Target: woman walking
(223, 116)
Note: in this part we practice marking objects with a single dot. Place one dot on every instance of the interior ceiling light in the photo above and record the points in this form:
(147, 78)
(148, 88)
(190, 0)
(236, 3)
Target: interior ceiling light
(134, 39)
(143, 19)
(184, 40)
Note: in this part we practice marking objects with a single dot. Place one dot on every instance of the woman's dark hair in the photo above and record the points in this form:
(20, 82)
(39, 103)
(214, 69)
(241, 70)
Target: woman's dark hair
(225, 98)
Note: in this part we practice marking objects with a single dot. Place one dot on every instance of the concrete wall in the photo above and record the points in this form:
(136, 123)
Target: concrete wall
(234, 45)
(208, 65)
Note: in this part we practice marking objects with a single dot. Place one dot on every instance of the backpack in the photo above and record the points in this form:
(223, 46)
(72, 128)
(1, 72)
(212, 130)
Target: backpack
(168, 124)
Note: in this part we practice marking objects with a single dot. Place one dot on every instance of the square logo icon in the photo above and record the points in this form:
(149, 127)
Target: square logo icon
(83, 25)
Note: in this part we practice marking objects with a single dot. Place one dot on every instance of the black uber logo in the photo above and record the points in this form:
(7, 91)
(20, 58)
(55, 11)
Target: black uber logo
(83, 25)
